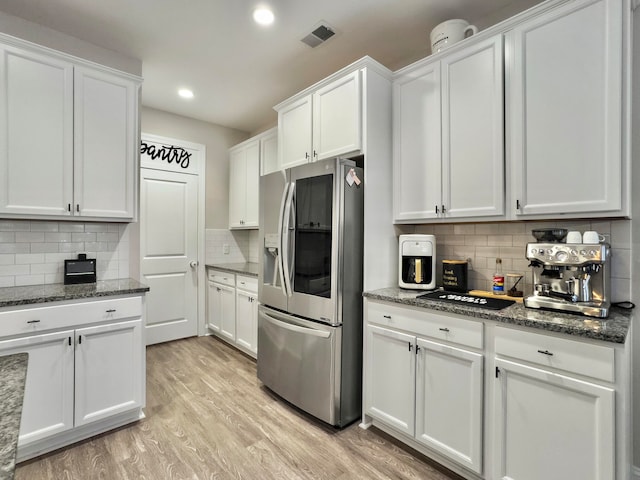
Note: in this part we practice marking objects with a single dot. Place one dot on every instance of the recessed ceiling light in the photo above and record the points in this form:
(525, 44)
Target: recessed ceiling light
(185, 93)
(263, 16)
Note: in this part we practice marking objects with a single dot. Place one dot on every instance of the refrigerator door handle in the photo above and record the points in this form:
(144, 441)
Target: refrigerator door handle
(279, 259)
(295, 328)
(285, 235)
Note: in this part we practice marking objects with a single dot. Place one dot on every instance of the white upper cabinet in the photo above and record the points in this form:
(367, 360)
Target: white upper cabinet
(105, 144)
(269, 152)
(72, 137)
(337, 118)
(565, 110)
(36, 131)
(294, 133)
(325, 123)
(448, 135)
(245, 162)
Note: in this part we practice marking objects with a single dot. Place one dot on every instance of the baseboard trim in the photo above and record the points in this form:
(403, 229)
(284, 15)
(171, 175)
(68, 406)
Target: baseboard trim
(635, 472)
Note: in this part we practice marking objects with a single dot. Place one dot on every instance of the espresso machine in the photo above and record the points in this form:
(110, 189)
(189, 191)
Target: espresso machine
(570, 277)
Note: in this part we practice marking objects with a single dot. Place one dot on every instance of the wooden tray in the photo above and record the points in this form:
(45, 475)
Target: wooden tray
(482, 293)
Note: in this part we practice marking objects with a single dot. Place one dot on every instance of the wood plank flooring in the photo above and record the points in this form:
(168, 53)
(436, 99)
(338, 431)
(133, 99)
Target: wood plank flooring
(208, 417)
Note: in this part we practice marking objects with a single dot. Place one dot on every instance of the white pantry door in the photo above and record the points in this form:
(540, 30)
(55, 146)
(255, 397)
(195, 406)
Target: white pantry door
(169, 253)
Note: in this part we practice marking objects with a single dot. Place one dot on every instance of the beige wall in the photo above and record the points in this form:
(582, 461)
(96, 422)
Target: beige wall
(33, 32)
(217, 140)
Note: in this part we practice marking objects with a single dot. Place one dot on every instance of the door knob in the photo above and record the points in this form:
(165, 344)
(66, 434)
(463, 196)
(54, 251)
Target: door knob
(193, 263)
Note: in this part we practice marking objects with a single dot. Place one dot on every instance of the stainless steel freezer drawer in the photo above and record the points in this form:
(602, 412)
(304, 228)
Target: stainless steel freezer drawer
(298, 360)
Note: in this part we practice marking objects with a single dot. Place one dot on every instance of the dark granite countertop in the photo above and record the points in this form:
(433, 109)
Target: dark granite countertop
(247, 268)
(13, 374)
(55, 292)
(612, 329)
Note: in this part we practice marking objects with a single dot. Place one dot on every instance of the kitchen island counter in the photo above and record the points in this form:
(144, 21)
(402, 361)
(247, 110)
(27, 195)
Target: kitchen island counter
(13, 374)
(13, 296)
(612, 329)
(246, 268)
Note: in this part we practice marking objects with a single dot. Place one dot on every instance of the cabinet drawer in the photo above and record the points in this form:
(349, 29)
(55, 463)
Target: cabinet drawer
(427, 323)
(587, 359)
(249, 284)
(225, 278)
(40, 318)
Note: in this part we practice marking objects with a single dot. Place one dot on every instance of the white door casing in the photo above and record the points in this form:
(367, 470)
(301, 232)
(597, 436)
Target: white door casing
(172, 238)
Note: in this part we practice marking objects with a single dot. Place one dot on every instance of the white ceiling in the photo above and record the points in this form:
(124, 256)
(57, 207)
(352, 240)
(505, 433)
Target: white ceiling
(239, 70)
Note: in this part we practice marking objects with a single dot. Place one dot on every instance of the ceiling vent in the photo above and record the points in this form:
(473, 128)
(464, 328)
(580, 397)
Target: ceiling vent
(320, 34)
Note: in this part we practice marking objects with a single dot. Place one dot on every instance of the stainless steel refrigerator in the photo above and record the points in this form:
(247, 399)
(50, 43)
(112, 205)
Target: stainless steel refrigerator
(310, 288)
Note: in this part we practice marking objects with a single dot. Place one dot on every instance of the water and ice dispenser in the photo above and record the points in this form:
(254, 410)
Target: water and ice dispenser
(417, 262)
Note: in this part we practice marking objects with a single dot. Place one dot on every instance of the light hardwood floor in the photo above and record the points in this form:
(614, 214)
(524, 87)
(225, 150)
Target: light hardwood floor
(208, 417)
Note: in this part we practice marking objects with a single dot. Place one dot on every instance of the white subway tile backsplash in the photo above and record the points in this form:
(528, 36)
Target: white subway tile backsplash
(29, 237)
(484, 242)
(29, 258)
(33, 252)
(71, 227)
(56, 237)
(45, 247)
(14, 248)
(7, 237)
(44, 226)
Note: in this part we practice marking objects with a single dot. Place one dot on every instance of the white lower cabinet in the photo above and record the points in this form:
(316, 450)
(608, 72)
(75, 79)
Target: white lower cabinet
(246, 316)
(547, 406)
(551, 423)
(50, 377)
(424, 387)
(81, 380)
(105, 388)
(233, 309)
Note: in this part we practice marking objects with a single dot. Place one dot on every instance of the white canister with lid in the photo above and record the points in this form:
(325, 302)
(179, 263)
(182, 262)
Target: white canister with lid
(449, 32)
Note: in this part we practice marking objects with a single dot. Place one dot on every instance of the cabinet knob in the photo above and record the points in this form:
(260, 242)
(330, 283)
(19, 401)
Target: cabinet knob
(193, 263)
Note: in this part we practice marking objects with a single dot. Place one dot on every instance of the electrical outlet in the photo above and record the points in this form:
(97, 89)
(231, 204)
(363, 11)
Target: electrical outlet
(225, 249)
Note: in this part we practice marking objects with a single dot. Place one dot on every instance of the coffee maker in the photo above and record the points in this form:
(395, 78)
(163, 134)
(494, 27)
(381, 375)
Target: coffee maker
(417, 262)
(570, 277)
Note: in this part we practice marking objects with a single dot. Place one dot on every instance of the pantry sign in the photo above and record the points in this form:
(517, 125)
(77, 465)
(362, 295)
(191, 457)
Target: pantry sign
(163, 153)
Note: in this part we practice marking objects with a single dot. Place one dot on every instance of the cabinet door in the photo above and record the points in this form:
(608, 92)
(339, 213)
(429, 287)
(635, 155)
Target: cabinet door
(214, 307)
(106, 144)
(237, 187)
(337, 118)
(294, 133)
(269, 153)
(252, 181)
(417, 144)
(48, 398)
(109, 370)
(565, 104)
(552, 426)
(449, 402)
(228, 312)
(390, 379)
(36, 134)
(473, 131)
(247, 320)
